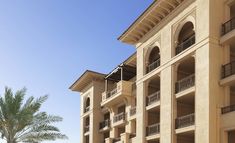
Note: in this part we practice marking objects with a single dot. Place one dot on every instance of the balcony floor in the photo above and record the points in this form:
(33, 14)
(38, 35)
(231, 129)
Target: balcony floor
(189, 91)
(153, 137)
(230, 80)
(228, 38)
(185, 130)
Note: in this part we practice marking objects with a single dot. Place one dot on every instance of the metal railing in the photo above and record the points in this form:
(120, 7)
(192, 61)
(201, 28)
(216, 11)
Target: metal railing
(186, 44)
(185, 121)
(86, 109)
(228, 109)
(153, 129)
(111, 93)
(153, 65)
(228, 69)
(228, 26)
(185, 83)
(86, 129)
(153, 98)
(119, 117)
(105, 123)
(132, 111)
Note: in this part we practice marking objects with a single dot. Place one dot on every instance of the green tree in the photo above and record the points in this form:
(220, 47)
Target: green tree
(23, 122)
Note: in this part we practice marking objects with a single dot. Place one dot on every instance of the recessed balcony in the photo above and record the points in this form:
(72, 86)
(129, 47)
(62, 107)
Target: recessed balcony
(228, 74)
(185, 123)
(132, 113)
(86, 130)
(119, 119)
(86, 109)
(152, 131)
(228, 109)
(228, 31)
(105, 125)
(123, 90)
(185, 83)
(153, 65)
(117, 140)
(153, 100)
(185, 45)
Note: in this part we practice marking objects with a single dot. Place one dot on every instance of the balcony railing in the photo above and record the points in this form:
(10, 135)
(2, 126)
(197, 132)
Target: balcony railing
(121, 88)
(132, 111)
(228, 109)
(86, 109)
(185, 121)
(117, 140)
(153, 129)
(228, 26)
(153, 65)
(184, 45)
(111, 93)
(185, 83)
(119, 117)
(153, 98)
(228, 69)
(105, 123)
(86, 129)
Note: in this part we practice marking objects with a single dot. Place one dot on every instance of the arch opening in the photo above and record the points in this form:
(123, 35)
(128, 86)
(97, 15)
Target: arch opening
(153, 60)
(186, 38)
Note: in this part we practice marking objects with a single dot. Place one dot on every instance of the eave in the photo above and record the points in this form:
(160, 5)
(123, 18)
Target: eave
(150, 18)
(85, 79)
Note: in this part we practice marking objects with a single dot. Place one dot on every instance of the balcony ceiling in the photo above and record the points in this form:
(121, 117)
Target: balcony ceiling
(156, 12)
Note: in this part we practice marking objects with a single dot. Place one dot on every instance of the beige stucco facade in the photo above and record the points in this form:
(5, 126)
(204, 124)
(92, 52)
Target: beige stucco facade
(179, 86)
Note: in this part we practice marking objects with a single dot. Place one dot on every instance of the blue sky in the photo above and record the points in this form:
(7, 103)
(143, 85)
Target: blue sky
(45, 45)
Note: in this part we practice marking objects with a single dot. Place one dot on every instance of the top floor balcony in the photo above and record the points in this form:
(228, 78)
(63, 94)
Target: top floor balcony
(185, 44)
(118, 85)
(153, 65)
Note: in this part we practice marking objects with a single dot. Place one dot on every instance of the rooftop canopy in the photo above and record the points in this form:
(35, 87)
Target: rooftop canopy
(122, 72)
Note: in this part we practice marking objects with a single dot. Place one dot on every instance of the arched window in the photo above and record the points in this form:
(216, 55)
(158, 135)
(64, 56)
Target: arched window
(153, 60)
(87, 104)
(186, 38)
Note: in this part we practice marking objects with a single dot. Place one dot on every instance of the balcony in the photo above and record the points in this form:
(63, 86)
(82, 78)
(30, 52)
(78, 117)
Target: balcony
(119, 119)
(153, 65)
(185, 45)
(228, 74)
(228, 109)
(153, 98)
(153, 129)
(228, 31)
(185, 83)
(132, 138)
(185, 121)
(132, 111)
(123, 90)
(105, 125)
(87, 109)
(117, 140)
(86, 129)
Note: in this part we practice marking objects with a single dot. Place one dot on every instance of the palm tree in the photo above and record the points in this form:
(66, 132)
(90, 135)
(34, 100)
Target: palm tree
(22, 122)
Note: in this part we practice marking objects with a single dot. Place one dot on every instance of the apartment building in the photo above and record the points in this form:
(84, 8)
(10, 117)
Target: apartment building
(179, 86)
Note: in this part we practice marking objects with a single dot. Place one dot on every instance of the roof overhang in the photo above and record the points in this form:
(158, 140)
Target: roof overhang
(85, 79)
(150, 18)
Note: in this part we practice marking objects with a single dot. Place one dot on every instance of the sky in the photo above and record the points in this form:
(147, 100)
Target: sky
(45, 45)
